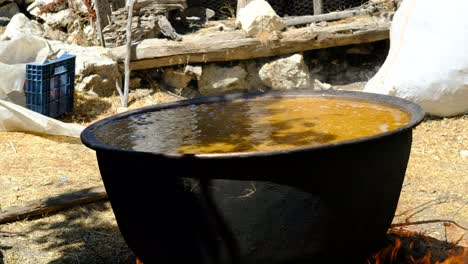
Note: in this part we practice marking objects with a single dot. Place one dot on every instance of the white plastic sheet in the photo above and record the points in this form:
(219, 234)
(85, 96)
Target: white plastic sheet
(14, 54)
(16, 118)
(428, 58)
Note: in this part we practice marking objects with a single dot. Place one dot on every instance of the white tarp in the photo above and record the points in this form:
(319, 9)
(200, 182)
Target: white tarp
(428, 58)
(14, 54)
(16, 118)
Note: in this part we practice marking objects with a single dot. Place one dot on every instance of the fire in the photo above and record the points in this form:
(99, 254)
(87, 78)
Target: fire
(413, 248)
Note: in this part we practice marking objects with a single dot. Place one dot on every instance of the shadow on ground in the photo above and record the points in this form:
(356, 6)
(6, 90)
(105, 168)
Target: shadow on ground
(86, 234)
(89, 235)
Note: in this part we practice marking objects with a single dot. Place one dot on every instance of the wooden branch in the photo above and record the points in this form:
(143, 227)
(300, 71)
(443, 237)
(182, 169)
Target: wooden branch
(103, 13)
(294, 21)
(49, 205)
(139, 4)
(128, 56)
(236, 45)
(429, 222)
(318, 7)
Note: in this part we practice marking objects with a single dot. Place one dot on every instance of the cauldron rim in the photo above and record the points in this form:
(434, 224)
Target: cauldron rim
(89, 139)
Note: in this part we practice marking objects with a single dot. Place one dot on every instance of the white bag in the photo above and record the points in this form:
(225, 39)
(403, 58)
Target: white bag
(16, 118)
(428, 58)
(14, 55)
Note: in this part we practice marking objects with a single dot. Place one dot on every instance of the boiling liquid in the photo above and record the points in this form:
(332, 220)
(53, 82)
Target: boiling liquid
(260, 124)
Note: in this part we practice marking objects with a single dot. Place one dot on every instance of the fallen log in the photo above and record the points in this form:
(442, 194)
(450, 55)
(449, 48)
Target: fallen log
(48, 205)
(236, 45)
(294, 21)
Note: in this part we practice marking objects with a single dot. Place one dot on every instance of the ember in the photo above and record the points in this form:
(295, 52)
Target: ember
(414, 248)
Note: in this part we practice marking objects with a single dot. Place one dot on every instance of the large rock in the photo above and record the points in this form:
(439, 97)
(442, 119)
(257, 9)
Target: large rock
(4, 21)
(220, 80)
(92, 61)
(96, 85)
(9, 10)
(61, 19)
(52, 5)
(19, 26)
(258, 17)
(286, 73)
(176, 78)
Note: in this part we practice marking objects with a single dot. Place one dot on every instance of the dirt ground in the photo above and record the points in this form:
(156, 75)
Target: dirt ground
(34, 167)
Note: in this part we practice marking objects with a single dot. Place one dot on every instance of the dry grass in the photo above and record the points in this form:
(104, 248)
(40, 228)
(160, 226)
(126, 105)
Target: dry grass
(82, 235)
(2, 29)
(38, 166)
(33, 167)
(436, 183)
(89, 109)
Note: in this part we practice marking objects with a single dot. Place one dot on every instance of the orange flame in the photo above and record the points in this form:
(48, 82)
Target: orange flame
(413, 248)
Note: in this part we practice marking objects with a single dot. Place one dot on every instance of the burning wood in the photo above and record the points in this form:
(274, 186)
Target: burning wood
(414, 248)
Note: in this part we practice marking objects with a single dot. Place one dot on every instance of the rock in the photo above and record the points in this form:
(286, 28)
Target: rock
(254, 83)
(4, 21)
(96, 85)
(51, 6)
(135, 83)
(258, 17)
(54, 34)
(176, 78)
(89, 60)
(286, 73)
(92, 61)
(194, 71)
(92, 84)
(60, 19)
(219, 80)
(322, 86)
(9, 10)
(464, 154)
(19, 26)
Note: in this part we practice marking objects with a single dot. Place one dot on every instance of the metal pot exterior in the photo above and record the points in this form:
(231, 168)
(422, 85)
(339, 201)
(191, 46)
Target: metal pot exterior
(311, 204)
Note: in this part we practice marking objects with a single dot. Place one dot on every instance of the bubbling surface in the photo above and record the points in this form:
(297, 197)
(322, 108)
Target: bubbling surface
(251, 125)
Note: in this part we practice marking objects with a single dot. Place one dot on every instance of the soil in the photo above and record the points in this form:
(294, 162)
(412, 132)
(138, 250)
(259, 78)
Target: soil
(435, 188)
(433, 203)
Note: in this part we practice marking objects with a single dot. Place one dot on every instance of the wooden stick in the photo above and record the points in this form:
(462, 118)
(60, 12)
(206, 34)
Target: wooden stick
(429, 222)
(103, 13)
(236, 45)
(129, 54)
(294, 21)
(44, 206)
(318, 7)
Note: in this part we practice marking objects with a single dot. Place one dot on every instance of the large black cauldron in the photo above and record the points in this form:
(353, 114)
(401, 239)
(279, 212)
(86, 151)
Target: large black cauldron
(332, 201)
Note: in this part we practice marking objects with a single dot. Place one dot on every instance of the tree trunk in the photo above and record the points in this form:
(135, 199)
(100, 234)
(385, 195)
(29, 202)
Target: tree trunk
(318, 7)
(103, 13)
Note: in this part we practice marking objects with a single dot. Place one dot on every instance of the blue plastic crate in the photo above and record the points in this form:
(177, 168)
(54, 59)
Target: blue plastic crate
(50, 87)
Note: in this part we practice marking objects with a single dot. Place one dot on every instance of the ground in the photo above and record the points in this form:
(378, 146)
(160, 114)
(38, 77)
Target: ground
(34, 167)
